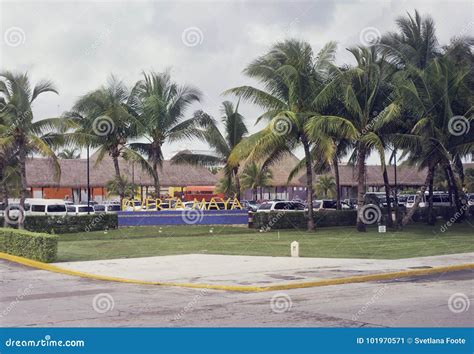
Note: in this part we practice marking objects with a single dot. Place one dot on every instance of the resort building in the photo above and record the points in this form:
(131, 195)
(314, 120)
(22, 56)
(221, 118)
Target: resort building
(72, 182)
(184, 181)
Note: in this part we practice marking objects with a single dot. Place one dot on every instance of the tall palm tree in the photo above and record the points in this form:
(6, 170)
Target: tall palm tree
(291, 76)
(413, 46)
(106, 121)
(325, 187)
(366, 95)
(160, 105)
(9, 171)
(221, 144)
(431, 94)
(255, 176)
(25, 136)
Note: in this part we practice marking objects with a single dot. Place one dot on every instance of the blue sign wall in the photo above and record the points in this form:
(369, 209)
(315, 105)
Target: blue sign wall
(182, 217)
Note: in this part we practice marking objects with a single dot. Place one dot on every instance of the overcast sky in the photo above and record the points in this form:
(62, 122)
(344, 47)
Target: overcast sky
(205, 43)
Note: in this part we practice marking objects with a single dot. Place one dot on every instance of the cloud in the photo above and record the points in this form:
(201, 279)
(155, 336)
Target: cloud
(78, 44)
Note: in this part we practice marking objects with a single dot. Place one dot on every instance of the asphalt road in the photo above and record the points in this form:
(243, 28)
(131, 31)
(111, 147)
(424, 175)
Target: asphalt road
(31, 297)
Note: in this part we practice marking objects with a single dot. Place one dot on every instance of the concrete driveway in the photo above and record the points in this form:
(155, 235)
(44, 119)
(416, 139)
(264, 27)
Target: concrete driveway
(32, 297)
(252, 270)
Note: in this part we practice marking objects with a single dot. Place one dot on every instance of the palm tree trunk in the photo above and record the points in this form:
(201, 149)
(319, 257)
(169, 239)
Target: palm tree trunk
(255, 193)
(335, 164)
(387, 196)
(4, 189)
(454, 186)
(24, 186)
(431, 218)
(235, 170)
(309, 182)
(360, 187)
(410, 213)
(457, 199)
(118, 176)
(450, 187)
(156, 180)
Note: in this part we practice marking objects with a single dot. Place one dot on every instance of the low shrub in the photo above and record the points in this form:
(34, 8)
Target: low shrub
(298, 219)
(37, 246)
(69, 223)
(444, 212)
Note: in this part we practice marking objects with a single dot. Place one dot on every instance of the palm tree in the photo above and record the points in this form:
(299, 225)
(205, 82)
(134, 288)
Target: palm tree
(9, 171)
(106, 121)
(160, 105)
(254, 177)
(414, 44)
(25, 136)
(221, 144)
(431, 94)
(325, 187)
(366, 95)
(291, 77)
(69, 154)
(116, 186)
(226, 186)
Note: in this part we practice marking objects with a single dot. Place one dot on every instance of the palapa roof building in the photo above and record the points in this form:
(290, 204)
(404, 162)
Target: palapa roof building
(40, 173)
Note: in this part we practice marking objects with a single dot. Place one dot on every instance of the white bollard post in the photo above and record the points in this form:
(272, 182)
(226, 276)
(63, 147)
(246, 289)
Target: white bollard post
(295, 249)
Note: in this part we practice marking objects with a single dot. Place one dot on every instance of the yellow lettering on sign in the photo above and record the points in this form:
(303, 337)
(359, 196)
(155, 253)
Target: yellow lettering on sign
(158, 203)
(199, 205)
(178, 204)
(213, 203)
(236, 204)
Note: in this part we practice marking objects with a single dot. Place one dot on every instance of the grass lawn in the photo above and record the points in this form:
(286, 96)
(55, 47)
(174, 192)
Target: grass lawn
(337, 242)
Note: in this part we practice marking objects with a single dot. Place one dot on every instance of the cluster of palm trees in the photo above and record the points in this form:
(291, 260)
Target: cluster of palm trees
(405, 94)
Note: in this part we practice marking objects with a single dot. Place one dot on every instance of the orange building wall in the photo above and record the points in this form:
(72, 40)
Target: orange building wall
(97, 191)
(57, 193)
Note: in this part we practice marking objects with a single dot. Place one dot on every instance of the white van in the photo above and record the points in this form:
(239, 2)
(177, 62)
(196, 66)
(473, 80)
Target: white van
(107, 208)
(46, 207)
(281, 205)
(439, 199)
(80, 210)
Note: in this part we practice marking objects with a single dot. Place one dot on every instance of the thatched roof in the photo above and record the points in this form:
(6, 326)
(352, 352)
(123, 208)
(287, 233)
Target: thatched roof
(40, 173)
(406, 175)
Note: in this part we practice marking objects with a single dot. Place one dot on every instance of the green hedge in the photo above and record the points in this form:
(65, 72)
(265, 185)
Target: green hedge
(445, 212)
(298, 219)
(37, 246)
(69, 224)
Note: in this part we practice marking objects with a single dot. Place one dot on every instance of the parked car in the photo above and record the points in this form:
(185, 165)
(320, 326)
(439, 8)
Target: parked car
(289, 205)
(250, 205)
(107, 208)
(439, 199)
(324, 204)
(80, 209)
(45, 207)
(380, 199)
(403, 198)
(350, 202)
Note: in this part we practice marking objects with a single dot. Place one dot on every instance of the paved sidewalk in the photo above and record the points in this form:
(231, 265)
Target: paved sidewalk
(252, 270)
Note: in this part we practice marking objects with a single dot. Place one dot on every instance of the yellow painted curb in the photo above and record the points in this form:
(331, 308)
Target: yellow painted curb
(244, 288)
